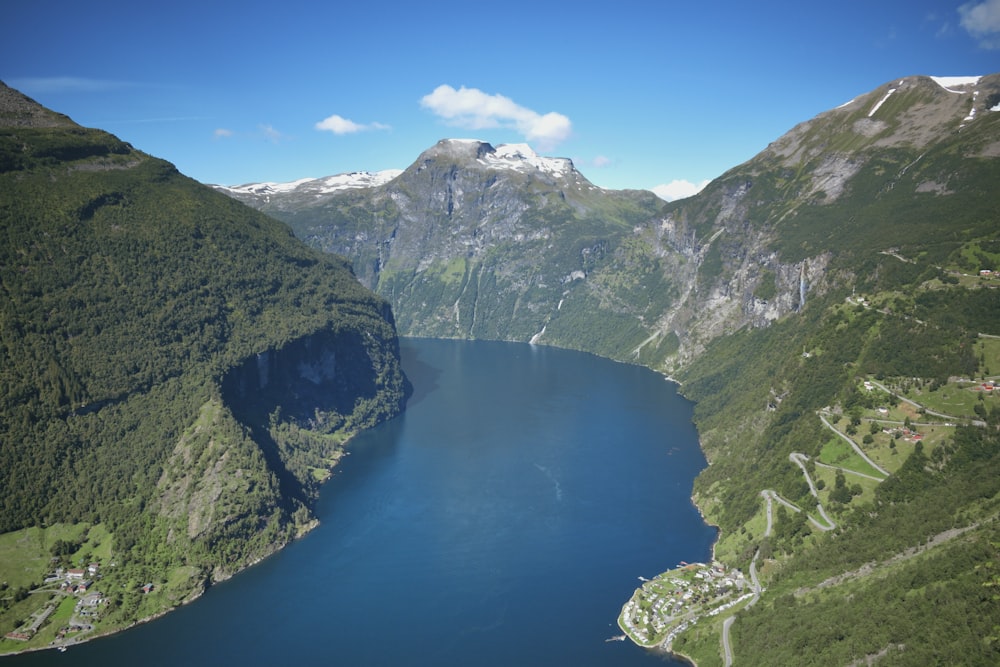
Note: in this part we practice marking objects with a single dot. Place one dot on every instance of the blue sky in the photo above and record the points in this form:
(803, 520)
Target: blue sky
(639, 93)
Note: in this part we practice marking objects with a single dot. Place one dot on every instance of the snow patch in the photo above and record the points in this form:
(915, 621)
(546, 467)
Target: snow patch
(266, 188)
(520, 157)
(881, 102)
(326, 185)
(972, 111)
(358, 179)
(515, 151)
(949, 82)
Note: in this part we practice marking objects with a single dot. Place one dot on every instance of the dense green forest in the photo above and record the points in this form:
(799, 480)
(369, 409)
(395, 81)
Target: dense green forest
(133, 298)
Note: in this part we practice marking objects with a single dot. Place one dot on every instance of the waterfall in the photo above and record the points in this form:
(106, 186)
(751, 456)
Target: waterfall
(802, 286)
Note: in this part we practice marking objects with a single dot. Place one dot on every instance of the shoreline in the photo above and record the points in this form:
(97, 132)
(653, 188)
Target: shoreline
(203, 586)
(210, 579)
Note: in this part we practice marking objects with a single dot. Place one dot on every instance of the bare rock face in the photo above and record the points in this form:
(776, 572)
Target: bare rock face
(18, 110)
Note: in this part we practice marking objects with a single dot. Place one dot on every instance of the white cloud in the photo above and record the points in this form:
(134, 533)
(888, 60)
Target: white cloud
(601, 161)
(678, 189)
(222, 133)
(982, 21)
(340, 125)
(473, 109)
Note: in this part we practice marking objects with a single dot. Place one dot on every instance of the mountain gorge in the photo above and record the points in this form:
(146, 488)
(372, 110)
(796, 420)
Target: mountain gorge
(858, 248)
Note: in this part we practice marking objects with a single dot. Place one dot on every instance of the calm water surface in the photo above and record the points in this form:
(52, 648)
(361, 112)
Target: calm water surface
(502, 520)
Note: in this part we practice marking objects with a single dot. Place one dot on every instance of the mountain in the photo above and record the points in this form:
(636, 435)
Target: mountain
(556, 252)
(177, 373)
(294, 193)
(483, 242)
(837, 288)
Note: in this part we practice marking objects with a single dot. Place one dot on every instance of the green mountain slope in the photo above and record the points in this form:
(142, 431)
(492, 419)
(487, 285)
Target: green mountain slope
(153, 334)
(903, 216)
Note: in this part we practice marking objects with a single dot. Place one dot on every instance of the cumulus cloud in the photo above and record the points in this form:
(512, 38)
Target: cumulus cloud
(982, 21)
(473, 109)
(678, 189)
(340, 125)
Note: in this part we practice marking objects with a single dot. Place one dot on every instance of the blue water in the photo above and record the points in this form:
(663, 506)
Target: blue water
(502, 520)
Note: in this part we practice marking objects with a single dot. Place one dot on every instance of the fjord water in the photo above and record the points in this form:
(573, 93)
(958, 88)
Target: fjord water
(503, 519)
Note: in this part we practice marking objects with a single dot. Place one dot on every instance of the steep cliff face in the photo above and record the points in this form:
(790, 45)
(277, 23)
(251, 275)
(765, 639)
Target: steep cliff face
(476, 241)
(876, 174)
(324, 381)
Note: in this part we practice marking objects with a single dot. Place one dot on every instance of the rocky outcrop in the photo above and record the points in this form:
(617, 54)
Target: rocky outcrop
(19, 110)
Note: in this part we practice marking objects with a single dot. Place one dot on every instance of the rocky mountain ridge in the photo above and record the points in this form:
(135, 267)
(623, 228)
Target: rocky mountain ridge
(309, 187)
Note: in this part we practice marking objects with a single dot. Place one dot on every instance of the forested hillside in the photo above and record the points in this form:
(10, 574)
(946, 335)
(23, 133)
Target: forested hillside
(133, 302)
(854, 446)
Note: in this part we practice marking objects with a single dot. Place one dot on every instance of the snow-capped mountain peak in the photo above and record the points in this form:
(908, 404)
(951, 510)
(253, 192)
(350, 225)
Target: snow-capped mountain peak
(521, 157)
(315, 186)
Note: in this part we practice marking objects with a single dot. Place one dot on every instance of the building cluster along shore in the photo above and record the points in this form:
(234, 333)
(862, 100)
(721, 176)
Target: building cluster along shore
(668, 604)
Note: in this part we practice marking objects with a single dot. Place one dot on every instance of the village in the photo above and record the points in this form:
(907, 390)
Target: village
(72, 592)
(671, 602)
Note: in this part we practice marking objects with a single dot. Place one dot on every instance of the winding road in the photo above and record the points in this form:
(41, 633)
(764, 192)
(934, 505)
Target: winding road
(727, 649)
(799, 459)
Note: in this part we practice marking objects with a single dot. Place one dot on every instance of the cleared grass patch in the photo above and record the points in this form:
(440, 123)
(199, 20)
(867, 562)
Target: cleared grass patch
(837, 452)
(958, 399)
(26, 555)
(989, 352)
(98, 544)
